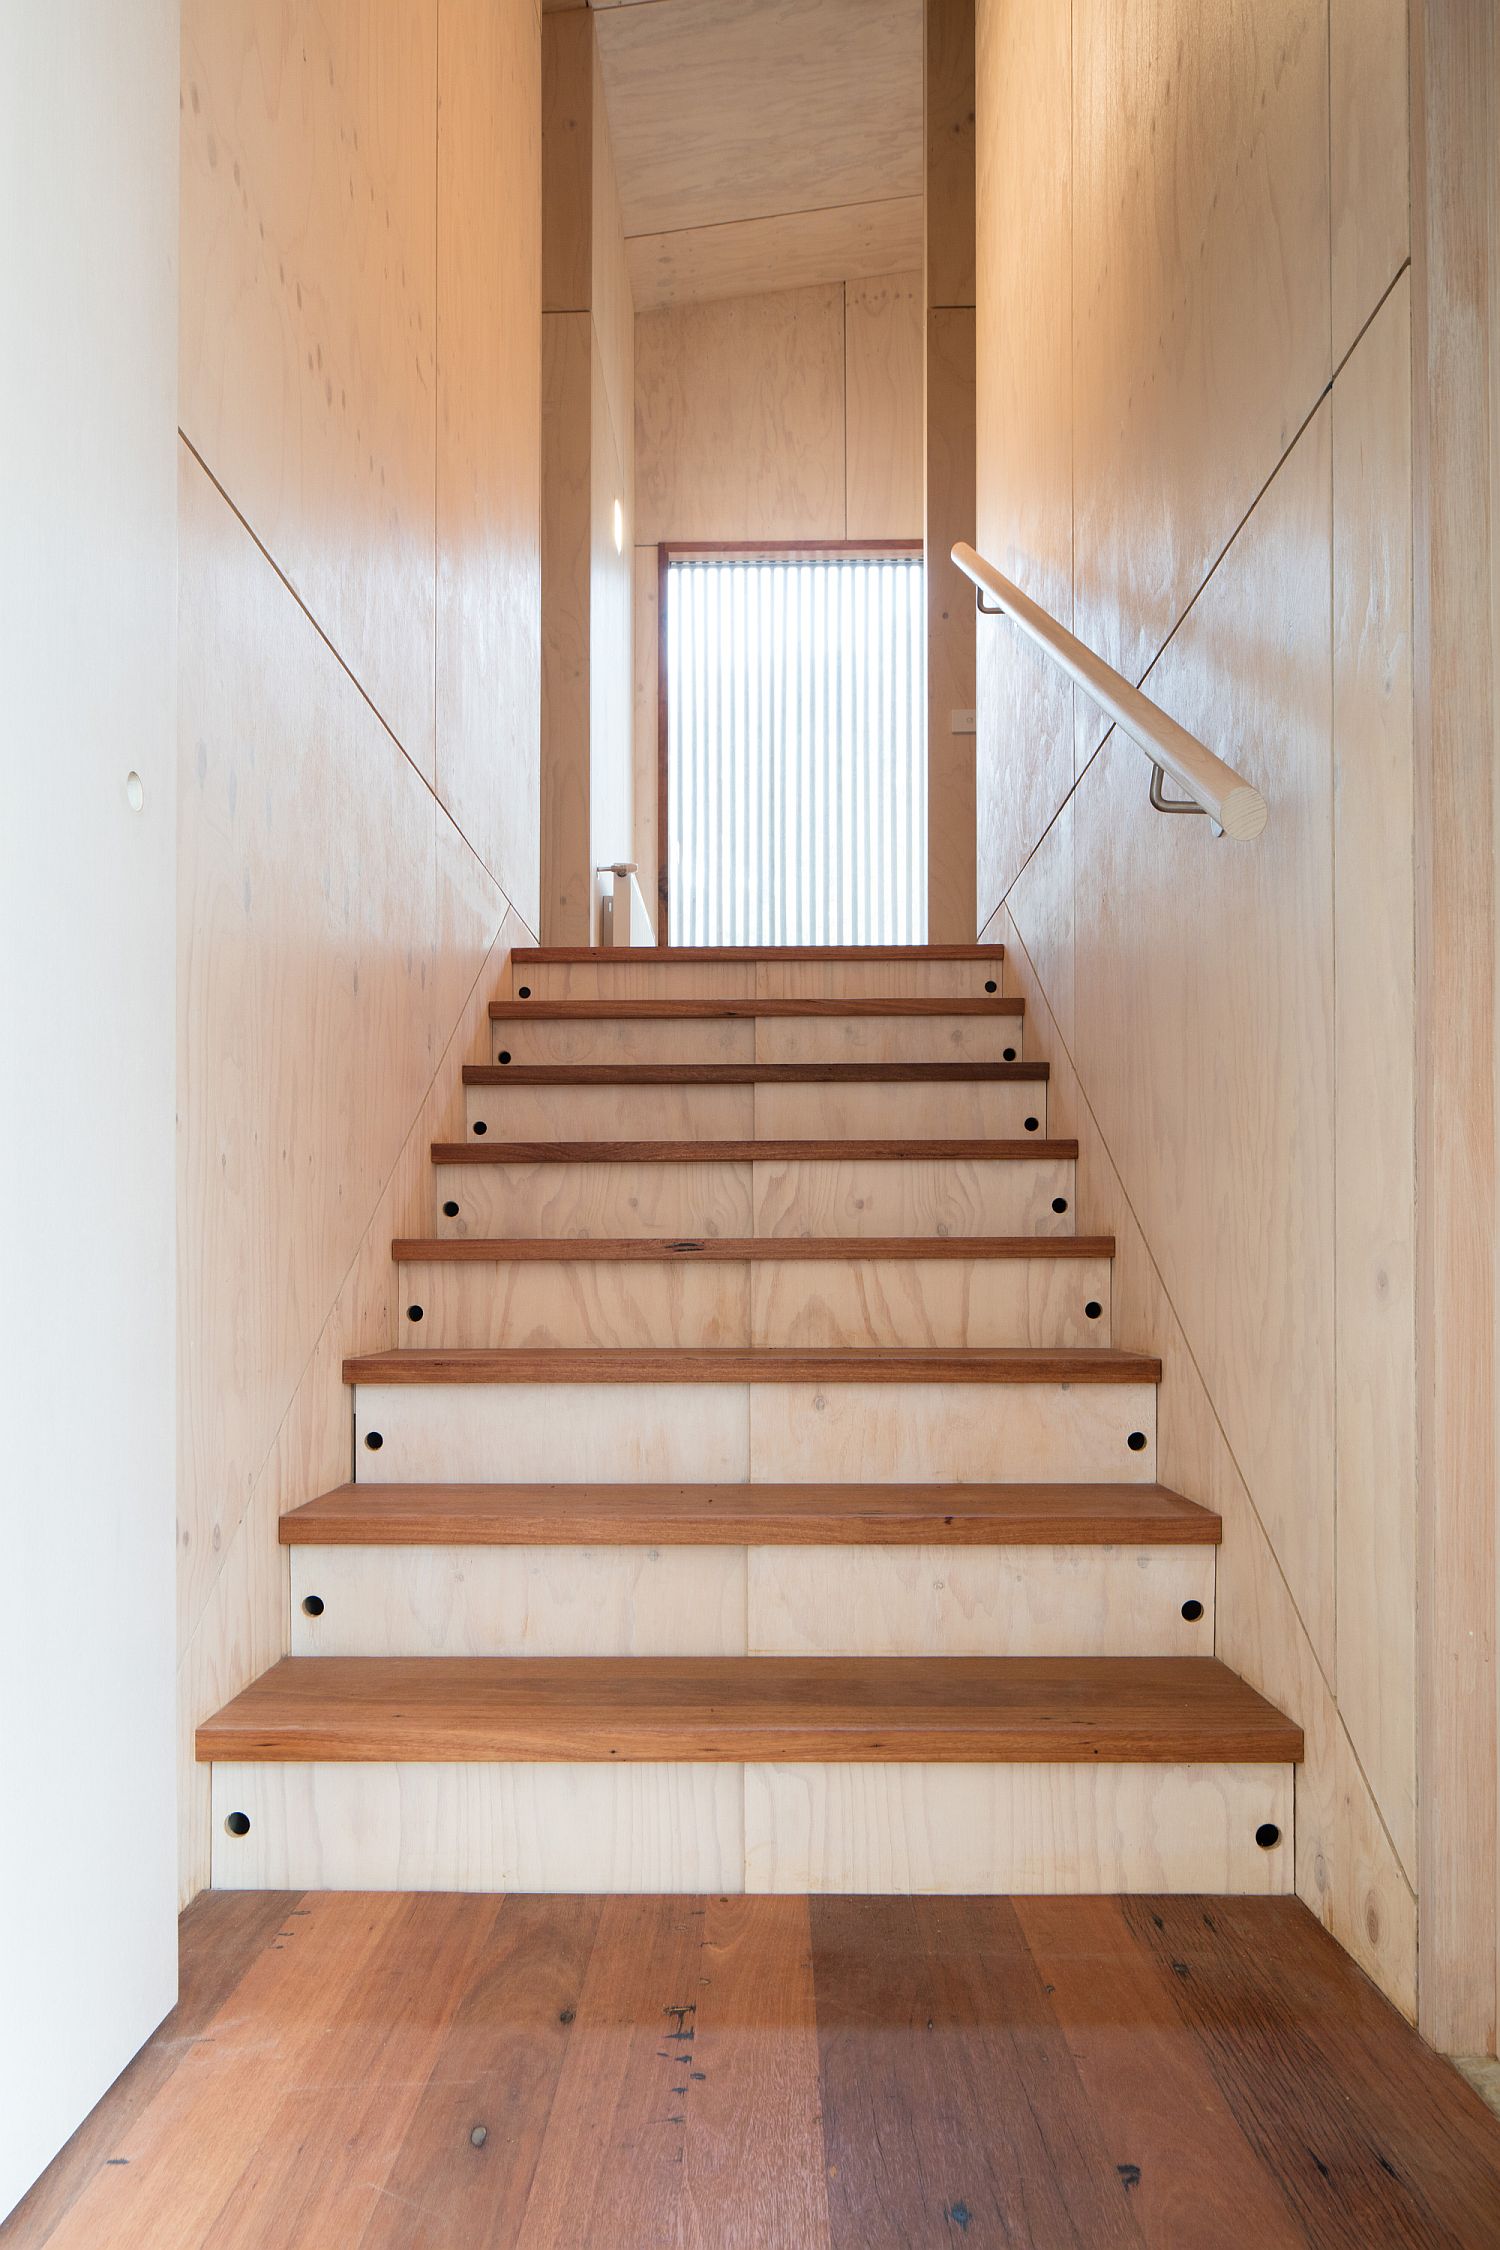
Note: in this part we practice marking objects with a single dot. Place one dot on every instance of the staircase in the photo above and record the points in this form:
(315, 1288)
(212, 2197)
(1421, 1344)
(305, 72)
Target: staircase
(756, 1499)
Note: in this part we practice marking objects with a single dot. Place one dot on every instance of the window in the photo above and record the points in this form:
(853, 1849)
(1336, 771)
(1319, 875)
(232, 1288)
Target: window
(796, 750)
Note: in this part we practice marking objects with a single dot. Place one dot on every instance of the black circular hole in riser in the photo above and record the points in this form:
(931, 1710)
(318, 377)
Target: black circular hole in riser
(1192, 1611)
(1032, 1124)
(1009, 1055)
(414, 1312)
(523, 992)
(1093, 1310)
(1059, 1203)
(312, 1605)
(991, 986)
(480, 1125)
(374, 1440)
(1268, 1835)
(1137, 1441)
(504, 1055)
(237, 1824)
(450, 1209)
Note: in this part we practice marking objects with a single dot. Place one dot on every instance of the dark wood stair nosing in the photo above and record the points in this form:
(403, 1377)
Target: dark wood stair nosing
(900, 1364)
(732, 956)
(756, 1074)
(647, 1011)
(1041, 1149)
(1089, 1515)
(765, 1249)
(991, 1710)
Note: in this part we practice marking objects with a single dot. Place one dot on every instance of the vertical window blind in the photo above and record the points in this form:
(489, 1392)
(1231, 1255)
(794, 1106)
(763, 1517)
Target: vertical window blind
(797, 751)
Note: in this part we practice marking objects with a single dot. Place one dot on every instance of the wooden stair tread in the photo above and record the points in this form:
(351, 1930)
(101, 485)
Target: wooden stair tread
(1169, 1710)
(881, 1364)
(769, 1249)
(582, 1011)
(656, 956)
(718, 1515)
(1034, 1147)
(756, 1074)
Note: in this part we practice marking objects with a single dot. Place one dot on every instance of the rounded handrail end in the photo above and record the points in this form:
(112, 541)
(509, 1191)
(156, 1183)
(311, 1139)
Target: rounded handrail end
(1243, 814)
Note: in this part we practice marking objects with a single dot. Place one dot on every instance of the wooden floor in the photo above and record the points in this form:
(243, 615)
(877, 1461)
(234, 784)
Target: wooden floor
(437, 2073)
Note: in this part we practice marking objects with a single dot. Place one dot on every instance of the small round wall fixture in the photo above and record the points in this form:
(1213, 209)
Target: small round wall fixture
(312, 1605)
(373, 1440)
(1268, 1835)
(237, 1824)
(450, 1209)
(1192, 1611)
(1136, 1441)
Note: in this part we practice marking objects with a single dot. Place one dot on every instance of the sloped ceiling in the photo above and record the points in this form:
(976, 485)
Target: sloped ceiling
(764, 144)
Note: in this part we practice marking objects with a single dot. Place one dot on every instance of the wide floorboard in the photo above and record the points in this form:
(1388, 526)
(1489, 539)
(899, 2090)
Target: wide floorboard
(436, 2073)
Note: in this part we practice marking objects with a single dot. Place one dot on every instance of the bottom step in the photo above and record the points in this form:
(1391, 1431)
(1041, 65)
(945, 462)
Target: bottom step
(759, 1773)
(894, 1828)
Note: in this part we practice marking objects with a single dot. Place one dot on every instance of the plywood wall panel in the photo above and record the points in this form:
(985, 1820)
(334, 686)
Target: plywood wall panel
(568, 87)
(645, 749)
(566, 548)
(1375, 1035)
(611, 648)
(883, 326)
(952, 915)
(797, 248)
(1200, 289)
(1024, 500)
(1346, 1869)
(489, 437)
(740, 419)
(720, 109)
(1204, 1013)
(1368, 146)
(611, 298)
(309, 305)
(948, 149)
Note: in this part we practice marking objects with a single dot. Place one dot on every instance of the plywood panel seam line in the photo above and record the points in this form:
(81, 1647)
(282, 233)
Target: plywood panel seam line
(1302, 428)
(753, 218)
(253, 1483)
(1313, 1652)
(428, 782)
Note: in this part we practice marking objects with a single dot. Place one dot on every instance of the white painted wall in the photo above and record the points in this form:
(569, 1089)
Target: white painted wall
(88, 379)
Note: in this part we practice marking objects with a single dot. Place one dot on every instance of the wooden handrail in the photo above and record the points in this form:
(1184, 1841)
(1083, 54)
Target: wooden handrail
(1212, 787)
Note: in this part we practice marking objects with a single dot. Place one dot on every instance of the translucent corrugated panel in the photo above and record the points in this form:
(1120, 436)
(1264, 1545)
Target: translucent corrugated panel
(797, 752)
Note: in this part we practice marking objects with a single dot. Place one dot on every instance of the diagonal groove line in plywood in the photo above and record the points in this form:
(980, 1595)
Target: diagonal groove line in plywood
(1244, 1482)
(764, 218)
(1209, 575)
(254, 1482)
(349, 673)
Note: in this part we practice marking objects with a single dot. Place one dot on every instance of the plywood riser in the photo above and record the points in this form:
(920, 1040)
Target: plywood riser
(765, 980)
(742, 1433)
(909, 1829)
(767, 1039)
(924, 1196)
(752, 1601)
(816, 1304)
(972, 1110)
